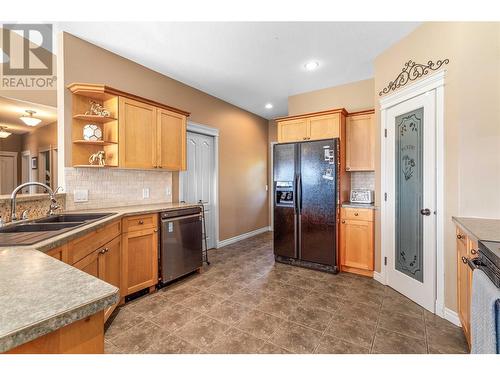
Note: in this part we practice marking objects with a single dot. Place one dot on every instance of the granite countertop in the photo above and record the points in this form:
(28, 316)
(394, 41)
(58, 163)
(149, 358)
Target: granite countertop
(118, 213)
(39, 294)
(480, 229)
(370, 206)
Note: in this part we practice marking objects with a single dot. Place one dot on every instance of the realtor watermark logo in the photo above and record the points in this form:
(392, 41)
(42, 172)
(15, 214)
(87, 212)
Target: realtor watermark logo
(27, 58)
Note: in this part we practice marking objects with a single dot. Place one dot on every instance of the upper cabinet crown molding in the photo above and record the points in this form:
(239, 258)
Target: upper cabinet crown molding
(313, 114)
(101, 91)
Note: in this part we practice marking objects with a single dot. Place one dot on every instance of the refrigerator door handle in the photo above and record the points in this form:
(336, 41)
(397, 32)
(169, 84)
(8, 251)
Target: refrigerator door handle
(299, 194)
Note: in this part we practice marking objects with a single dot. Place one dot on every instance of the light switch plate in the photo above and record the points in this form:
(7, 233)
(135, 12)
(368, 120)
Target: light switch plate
(81, 195)
(145, 193)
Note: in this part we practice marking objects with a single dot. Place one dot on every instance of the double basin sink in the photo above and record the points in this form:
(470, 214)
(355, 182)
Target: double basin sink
(31, 232)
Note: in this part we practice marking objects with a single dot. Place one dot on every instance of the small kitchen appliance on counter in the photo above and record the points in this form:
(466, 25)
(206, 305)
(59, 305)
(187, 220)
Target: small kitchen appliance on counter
(362, 196)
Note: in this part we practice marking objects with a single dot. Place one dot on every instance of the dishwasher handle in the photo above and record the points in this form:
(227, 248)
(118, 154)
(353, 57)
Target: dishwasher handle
(180, 218)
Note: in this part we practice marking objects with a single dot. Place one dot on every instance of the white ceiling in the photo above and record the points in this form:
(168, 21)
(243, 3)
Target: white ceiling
(249, 64)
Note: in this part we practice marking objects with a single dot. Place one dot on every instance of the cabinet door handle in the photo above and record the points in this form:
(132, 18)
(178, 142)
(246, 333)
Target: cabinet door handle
(474, 251)
(343, 221)
(459, 236)
(347, 168)
(464, 259)
(155, 231)
(356, 214)
(141, 222)
(102, 251)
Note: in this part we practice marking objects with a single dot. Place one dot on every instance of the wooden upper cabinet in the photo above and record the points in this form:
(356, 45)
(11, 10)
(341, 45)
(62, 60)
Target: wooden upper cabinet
(324, 127)
(171, 140)
(310, 127)
(137, 140)
(293, 130)
(360, 142)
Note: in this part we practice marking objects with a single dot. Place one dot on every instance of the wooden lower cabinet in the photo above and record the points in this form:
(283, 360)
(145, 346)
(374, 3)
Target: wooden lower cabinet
(105, 264)
(466, 247)
(357, 253)
(140, 259)
(85, 336)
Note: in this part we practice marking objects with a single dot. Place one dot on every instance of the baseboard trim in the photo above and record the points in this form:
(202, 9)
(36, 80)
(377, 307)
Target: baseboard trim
(243, 236)
(452, 317)
(377, 276)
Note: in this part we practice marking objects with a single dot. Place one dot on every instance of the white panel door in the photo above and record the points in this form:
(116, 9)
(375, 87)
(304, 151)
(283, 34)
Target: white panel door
(197, 182)
(8, 172)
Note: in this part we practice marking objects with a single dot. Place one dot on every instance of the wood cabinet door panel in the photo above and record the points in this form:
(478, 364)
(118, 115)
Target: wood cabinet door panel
(89, 264)
(293, 130)
(360, 143)
(357, 244)
(137, 129)
(140, 260)
(110, 268)
(171, 140)
(324, 127)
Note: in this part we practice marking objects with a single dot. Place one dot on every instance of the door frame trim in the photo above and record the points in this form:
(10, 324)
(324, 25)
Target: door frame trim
(211, 132)
(434, 82)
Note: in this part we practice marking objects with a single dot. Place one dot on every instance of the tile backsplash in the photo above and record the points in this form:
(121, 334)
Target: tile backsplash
(363, 180)
(37, 205)
(109, 187)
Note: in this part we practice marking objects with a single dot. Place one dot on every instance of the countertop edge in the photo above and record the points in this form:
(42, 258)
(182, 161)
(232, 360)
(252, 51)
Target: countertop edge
(43, 327)
(49, 244)
(459, 221)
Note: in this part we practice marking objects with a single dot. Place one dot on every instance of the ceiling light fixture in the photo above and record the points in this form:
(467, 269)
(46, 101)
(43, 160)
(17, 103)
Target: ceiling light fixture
(311, 65)
(269, 106)
(29, 119)
(3, 132)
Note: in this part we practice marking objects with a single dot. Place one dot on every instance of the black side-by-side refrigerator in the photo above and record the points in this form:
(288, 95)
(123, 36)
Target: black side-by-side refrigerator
(305, 202)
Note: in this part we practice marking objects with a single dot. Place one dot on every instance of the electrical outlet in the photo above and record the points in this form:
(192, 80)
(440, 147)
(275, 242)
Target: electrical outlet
(80, 196)
(168, 191)
(145, 193)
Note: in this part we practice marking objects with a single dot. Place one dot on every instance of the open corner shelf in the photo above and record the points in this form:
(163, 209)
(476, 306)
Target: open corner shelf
(94, 118)
(94, 143)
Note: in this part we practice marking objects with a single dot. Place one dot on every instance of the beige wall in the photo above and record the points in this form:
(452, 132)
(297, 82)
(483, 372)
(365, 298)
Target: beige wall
(243, 136)
(472, 119)
(41, 138)
(355, 96)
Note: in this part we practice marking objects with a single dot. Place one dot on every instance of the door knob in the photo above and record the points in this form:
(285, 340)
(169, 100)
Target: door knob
(425, 211)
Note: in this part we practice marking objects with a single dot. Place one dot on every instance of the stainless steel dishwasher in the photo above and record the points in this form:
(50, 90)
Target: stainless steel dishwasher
(181, 243)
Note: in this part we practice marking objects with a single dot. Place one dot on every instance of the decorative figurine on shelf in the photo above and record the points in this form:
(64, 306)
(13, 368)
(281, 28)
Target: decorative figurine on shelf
(97, 109)
(92, 132)
(99, 157)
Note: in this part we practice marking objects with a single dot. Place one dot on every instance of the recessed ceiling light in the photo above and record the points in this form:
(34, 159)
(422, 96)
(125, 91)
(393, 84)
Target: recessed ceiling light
(311, 65)
(29, 119)
(269, 106)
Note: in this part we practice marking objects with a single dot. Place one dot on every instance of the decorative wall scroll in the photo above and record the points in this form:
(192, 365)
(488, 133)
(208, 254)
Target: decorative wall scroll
(411, 72)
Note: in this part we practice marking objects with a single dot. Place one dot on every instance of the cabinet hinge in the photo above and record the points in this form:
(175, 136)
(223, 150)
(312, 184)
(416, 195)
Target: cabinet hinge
(385, 133)
(385, 197)
(385, 261)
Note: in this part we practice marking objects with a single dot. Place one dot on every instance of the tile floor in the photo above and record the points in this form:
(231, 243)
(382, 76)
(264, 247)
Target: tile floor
(244, 302)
